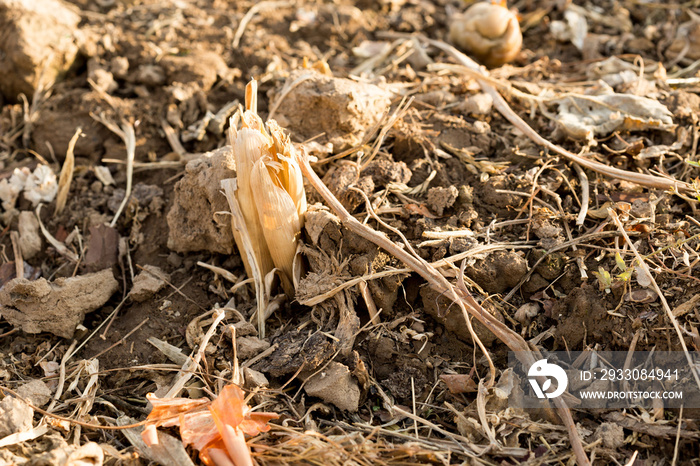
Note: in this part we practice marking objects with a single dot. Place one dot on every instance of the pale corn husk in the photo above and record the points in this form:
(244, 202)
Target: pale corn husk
(245, 246)
(249, 146)
(291, 177)
(279, 218)
(270, 192)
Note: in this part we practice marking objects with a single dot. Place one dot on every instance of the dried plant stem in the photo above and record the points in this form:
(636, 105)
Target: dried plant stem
(662, 298)
(369, 302)
(126, 133)
(66, 173)
(475, 71)
(188, 368)
(60, 247)
(17, 249)
(585, 194)
(460, 296)
(173, 140)
(251, 14)
(61, 376)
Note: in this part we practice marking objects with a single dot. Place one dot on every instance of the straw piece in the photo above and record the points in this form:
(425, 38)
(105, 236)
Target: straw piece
(66, 177)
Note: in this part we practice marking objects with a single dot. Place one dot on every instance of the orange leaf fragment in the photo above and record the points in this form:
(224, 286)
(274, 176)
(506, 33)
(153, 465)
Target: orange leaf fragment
(216, 429)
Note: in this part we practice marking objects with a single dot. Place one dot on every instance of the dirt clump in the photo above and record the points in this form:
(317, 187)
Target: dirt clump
(448, 314)
(148, 282)
(612, 435)
(581, 316)
(384, 171)
(29, 236)
(56, 307)
(192, 221)
(15, 416)
(294, 350)
(498, 272)
(201, 67)
(37, 392)
(249, 347)
(340, 108)
(344, 181)
(37, 45)
(440, 198)
(394, 365)
(494, 194)
(62, 114)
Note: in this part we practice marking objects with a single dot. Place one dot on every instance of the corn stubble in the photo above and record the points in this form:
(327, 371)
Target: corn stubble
(267, 200)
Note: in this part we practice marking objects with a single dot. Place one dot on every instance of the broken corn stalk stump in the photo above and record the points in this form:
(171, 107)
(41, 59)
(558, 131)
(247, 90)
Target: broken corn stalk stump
(267, 200)
(460, 296)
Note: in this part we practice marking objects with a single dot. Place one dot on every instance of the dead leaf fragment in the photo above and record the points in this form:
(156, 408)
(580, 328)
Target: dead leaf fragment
(459, 383)
(209, 426)
(103, 248)
(575, 29)
(584, 117)
(687, 306)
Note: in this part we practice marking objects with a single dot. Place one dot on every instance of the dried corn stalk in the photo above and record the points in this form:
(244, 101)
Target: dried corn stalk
(270, 194)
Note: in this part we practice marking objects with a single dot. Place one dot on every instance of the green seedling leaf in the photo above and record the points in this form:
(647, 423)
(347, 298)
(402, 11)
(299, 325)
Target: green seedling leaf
(604, 279)
(619, 262)
(626, 275)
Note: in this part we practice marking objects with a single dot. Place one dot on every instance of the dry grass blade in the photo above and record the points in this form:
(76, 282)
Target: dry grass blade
(17, 250)
(188, 368)
(19, 437)
(66, 177)
(173, 140)
(251, 14)
(126, 133)
(485, 83)
(439, 283)
(60, 247)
